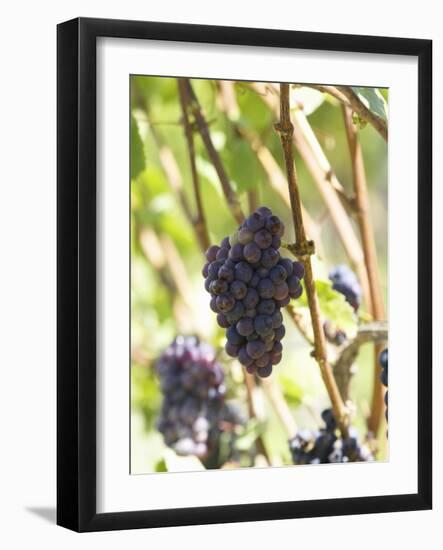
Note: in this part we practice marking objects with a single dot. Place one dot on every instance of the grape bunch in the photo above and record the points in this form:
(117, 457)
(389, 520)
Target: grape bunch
(326, 446)
(249, 283)
(193, 410)
(383, 359)
(345, 281)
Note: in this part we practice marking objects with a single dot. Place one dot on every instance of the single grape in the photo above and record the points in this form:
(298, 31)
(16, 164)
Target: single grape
(263, 239)
(255, 348)
(211, 253)
(252, 252)
(245, 326)
(266, 288)
(238, 289)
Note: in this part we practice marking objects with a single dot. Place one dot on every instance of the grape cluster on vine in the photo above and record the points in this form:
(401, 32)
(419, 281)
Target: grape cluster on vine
(194, 411)
(249, 283)
(327, 446)
(346, 283)
(383, 359)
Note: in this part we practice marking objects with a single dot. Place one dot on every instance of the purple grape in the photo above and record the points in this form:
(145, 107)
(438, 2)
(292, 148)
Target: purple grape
(264, 372)
(236, 313)
(255, 222)
(236, 253)
(255, 349)
(275, 226)
(231, 349)
(238, 289)
(234, 337)
(266, 288)
(225, 303)
(244, 358)
(222, 254)
(281, 291)
(222, 321)
(245, 326)
(264, 211)
(243, 272)
(213, 304)
(245, 236)
(280, 333)
(270, 257)
(262, 361)
(219, 286)
(277, 319)
(287, 264)
(278, 274)
(254, 280)
(225, 243)
(251, 298)
(211, 253)
(263, 324)
(205, 270)
(266, 307)
(298, 270)
(226, 273)
(252, 252)
(263, 239)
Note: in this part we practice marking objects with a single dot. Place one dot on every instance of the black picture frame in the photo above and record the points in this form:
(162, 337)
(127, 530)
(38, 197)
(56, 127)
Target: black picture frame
(76, 277)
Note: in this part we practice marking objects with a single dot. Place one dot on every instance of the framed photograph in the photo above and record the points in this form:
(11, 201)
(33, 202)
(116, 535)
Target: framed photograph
(244, 235)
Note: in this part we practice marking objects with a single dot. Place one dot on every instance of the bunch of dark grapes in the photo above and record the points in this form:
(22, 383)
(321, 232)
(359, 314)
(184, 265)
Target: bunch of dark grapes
(193, 411)
(334, 334)
(249, 284)
(384, 374)
(345, 282)
(326, 446)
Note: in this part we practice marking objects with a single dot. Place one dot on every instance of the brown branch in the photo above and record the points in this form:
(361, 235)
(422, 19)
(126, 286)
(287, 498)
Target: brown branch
(252, 410)
(276, 178)
(280, 406)
(371, 332)
(203, 129)
(331, 90)
(318, 165)
(304, 250)
(348, 98)
(298, 322)
(370, 254)
(200, 221)
(360, 108)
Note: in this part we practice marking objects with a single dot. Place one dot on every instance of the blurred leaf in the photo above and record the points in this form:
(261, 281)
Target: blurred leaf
(292, 391)
(161, 466)
(333, 306)
(243, 165)
(252, 431)
(137, 154)
(373, 100)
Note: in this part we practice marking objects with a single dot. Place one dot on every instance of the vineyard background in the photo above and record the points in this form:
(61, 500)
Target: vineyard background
(167, 292)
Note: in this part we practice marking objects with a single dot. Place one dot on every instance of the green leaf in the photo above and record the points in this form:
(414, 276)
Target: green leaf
(333, 306)
(137, 153)
(291, 390)
(374, 101)
(252, 431)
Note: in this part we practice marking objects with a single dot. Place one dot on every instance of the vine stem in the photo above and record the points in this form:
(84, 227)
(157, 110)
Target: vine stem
(200, 221)
(370, 255)
(326, 182)
(360, 108)
(304, 250)
(348, 98)
(202, 126)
